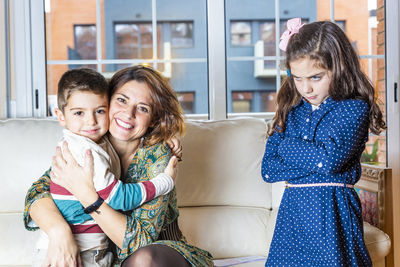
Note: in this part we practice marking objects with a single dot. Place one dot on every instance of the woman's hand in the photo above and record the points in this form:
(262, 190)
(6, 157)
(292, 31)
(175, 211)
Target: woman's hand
(172, 168)
(175, 144)
(75, 178)
(62, 250)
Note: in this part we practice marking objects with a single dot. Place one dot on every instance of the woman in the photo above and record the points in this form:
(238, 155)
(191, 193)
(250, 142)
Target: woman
(144, 114)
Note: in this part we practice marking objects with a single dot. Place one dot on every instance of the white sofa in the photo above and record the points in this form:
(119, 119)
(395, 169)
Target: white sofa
(225, 206)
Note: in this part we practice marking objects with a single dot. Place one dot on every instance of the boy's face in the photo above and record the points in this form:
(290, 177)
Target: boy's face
(85, 114)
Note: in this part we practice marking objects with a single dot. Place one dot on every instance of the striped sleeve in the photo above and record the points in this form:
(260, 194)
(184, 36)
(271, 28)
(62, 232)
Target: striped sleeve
(130, 196)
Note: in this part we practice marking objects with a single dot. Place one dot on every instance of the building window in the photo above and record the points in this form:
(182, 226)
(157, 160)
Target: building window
(268, 101)
(182, 34)
(186, 99)
(240, 33)
(135, 40)
(341, 24)
(85, 42)
(242, 102)
(253, 101)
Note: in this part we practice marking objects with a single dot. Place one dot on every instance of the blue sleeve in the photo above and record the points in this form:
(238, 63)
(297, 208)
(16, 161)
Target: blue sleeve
(72, 211)
(127, 197)
(273, 167)
(344, 139)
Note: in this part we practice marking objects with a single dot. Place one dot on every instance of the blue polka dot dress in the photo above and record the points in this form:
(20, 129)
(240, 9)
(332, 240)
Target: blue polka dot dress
(319, 225)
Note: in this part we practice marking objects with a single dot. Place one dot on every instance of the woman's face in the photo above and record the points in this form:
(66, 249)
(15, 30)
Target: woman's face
(130, 111)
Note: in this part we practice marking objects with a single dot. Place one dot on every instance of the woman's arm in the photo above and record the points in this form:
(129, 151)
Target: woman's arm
(78, 180)
(40, 207)
(62, 249)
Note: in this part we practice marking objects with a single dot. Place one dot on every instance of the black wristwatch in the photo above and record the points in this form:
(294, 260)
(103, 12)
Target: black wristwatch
(94, 207)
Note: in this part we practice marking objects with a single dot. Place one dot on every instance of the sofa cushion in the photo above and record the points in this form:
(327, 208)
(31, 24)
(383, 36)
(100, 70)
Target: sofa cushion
(27, 148)
(377, 242)
(16, 244)
(228, 231)
(212, 153)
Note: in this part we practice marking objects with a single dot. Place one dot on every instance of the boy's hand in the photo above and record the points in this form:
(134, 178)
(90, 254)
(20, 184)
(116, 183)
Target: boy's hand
(172, 168)
(175, 144)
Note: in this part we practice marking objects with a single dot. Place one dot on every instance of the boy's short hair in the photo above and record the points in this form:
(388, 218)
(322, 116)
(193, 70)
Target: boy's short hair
(83, 80)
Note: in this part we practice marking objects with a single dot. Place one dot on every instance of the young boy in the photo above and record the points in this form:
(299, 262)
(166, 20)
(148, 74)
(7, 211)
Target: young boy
(83, 110)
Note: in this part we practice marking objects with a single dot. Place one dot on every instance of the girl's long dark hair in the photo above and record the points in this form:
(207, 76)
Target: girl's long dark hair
(328, 45)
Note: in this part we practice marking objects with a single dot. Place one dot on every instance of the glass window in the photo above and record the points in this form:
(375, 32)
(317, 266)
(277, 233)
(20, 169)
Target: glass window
(341, 24)
(268, 101)
(127, 38)
(240, 33)
(187, 100)
(253, 101)
(85, 42)
(242, 102)
(135, 40)
(182, 34)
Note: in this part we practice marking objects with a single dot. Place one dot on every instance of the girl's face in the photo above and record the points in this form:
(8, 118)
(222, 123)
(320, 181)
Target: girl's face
(312, 82)
(130, 111)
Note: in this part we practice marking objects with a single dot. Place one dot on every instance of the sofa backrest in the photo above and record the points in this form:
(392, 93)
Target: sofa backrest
(225, 205)
(26, 150)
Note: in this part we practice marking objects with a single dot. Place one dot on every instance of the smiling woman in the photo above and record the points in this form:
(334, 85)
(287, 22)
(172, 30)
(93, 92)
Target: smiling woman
(130, 111)
(144, 115)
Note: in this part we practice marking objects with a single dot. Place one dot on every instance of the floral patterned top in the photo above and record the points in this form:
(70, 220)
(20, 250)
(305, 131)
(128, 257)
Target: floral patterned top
(145, 223)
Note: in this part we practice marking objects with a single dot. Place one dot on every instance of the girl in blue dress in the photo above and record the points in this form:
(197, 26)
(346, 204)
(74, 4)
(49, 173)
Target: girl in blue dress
(325, 108)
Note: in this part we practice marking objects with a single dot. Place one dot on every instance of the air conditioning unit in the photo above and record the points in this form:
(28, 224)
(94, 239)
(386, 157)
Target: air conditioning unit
(259, 69)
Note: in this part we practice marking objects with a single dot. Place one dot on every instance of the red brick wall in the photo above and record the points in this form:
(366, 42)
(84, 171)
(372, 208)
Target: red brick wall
(64, 14)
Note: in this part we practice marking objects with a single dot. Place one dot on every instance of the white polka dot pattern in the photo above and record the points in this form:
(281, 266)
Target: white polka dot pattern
(319, 226)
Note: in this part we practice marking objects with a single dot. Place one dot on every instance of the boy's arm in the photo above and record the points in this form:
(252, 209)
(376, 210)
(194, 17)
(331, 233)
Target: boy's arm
(130, 196)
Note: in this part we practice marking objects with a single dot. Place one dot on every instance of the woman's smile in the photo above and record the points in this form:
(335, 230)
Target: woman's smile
(123, 124)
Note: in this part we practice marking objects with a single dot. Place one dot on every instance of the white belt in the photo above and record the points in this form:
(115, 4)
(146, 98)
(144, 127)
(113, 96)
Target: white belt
(319, 184)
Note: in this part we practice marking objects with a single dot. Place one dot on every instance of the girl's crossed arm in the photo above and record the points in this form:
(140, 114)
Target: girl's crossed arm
(336, 150)
(273, 168)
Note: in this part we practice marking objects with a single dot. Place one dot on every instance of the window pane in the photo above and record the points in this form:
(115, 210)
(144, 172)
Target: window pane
(127, 40)
(187, 101)
(189, 80)
(135, 40)
(240, 33)
(71, 30)
(242, 101)
(182, 34)
(268, 101)
(184, 39)
(85, 42)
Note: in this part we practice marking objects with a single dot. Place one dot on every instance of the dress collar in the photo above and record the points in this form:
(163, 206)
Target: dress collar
(326, 103)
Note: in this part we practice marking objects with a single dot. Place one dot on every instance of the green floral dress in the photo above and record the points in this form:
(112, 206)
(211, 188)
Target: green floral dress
(155, 222)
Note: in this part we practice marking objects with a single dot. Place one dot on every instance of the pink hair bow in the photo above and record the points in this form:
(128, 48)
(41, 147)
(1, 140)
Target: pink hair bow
(293, 26)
